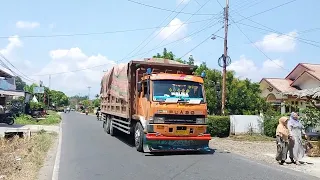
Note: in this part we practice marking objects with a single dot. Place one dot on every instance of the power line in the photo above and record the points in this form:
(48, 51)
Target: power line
(170, 42)
(257, 46)
(76, 70)
(97, 33)
(200, 43)
(152, 33)
(168, 10)
(1, 55)
(163, 28)
(266, 10)
(181, 24)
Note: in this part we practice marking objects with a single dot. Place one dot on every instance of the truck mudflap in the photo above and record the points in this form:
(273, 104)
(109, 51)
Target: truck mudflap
(157, 143)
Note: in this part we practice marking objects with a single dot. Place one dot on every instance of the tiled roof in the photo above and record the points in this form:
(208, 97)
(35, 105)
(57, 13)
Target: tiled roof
(314, 69)
(282, 85)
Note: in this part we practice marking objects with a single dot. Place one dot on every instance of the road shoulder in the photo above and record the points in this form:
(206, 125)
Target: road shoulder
(264, 152)
(47, 171)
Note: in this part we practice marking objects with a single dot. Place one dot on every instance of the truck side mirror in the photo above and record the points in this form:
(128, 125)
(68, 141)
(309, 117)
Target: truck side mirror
(139, 87)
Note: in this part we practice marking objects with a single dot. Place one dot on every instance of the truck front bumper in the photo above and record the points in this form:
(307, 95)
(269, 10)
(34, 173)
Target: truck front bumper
(154, 142)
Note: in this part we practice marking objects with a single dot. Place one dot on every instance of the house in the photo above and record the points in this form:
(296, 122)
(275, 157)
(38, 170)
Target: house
(8, 87)
(303, 76)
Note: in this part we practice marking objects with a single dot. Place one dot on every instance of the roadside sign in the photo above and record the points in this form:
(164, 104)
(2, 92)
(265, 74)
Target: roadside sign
(39, 90)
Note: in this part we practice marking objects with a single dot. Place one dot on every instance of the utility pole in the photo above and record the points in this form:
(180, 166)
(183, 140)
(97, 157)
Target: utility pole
(225, 56)
(49, 89)
(89, 92)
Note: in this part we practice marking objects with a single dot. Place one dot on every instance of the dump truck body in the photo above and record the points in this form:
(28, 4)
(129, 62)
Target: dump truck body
(159, 102)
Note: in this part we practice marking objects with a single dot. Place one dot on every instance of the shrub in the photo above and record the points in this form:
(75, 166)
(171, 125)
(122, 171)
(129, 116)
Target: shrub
(270, 124)
(219, 126)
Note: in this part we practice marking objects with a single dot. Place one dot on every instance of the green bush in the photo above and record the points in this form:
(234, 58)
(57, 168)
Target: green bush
(270, 124)
(218, 126)
(36, 105)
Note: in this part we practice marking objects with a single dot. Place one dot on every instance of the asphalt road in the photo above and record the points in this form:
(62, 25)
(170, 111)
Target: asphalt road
(89, 153)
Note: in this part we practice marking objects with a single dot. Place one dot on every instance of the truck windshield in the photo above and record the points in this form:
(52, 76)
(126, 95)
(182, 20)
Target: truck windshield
(183, 91)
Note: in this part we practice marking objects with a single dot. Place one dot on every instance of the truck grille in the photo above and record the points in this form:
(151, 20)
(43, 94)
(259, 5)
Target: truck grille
(179, 119)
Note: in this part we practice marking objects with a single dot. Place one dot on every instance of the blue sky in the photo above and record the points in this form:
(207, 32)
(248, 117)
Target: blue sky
(49, 55)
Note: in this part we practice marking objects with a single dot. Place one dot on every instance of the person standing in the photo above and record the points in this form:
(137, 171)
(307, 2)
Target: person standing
(282, 139)
(296, 130)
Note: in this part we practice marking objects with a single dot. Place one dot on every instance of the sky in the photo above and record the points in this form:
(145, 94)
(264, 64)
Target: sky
(77, 41)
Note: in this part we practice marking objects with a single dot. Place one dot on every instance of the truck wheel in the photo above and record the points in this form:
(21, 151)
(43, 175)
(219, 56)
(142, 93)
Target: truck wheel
(138, 137)
(111, 128)
(107, 125)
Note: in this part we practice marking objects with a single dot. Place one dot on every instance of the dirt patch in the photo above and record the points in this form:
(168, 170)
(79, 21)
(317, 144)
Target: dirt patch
(21, 158)
(257, 150)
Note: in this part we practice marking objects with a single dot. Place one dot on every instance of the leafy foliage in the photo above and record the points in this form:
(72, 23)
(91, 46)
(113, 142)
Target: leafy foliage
(218, 126)
(20, 84)
(58, 98)
(311, 117)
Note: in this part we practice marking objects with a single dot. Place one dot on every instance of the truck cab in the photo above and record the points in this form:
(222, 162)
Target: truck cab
(174, 107)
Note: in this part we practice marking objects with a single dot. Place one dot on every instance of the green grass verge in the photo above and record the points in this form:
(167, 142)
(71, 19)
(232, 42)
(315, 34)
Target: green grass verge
(52, 119)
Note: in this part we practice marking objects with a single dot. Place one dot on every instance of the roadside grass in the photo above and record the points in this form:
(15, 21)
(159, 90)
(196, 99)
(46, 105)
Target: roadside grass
(52, 119)
(22, 158)
(253, 138)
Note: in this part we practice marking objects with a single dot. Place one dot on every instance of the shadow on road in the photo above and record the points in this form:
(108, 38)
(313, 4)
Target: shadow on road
(125, 138)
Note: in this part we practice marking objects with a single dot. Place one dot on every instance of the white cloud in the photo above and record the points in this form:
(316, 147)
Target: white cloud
(175, 30)
(27, 25)
(246, 68)
(7, 51)
(278, 43)
(14, 42)
(65, 60)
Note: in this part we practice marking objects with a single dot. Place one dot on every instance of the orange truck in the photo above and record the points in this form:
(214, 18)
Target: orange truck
(159, 102)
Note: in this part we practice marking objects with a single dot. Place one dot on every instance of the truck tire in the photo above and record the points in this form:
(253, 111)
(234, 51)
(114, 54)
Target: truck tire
(112, 130)
(138, 137)
(106, 125)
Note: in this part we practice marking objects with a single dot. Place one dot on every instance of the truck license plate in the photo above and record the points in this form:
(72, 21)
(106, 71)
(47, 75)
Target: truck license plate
(182, 132)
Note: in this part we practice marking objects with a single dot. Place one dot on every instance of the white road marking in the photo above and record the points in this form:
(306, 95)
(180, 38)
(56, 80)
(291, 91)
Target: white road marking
(55, 175)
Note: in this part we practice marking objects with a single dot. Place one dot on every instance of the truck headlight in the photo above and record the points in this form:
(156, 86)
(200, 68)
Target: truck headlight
(201, 120)
(157, 120)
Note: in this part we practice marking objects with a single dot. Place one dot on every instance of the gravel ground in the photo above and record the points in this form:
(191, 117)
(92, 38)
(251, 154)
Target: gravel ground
(259, 151)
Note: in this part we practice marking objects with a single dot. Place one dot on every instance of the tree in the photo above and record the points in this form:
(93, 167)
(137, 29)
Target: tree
(168, 55)
(311, 117)
(20, 84)
(191, 60)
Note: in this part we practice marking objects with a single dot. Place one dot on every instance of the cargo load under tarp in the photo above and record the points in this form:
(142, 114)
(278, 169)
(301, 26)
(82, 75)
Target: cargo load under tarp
(115, 82)
(118, 84)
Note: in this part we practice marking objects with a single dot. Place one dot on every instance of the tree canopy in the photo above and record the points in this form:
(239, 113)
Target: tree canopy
(58, 98)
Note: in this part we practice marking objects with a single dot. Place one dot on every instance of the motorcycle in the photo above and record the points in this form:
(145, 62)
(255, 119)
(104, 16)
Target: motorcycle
(87, 112)
(7, 118)
(99, 115)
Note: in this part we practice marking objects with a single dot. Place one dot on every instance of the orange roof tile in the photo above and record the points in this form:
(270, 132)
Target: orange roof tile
(314, 69)
(282, 85)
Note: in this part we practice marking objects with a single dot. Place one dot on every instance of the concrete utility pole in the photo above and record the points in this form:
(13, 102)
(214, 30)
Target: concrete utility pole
(225, 56)
(89, 92)
(49, 89)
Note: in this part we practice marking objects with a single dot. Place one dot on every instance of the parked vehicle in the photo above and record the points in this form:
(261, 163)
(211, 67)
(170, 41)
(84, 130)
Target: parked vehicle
(7, 118)
(159, 102)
